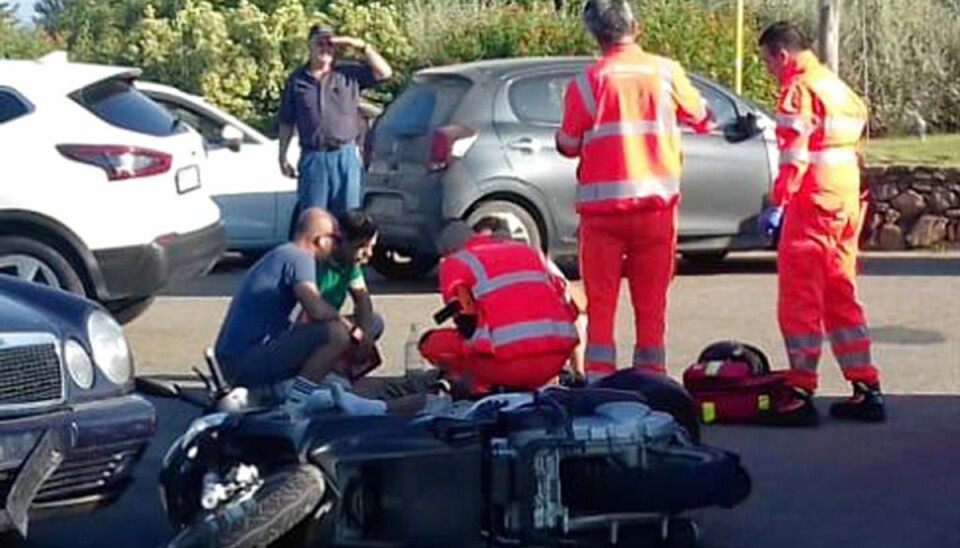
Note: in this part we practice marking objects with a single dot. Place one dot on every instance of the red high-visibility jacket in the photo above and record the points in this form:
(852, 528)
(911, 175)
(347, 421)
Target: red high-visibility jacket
(622, 115)
(520, 306)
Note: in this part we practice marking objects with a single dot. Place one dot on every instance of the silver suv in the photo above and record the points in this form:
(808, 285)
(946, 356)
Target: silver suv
(476, 140)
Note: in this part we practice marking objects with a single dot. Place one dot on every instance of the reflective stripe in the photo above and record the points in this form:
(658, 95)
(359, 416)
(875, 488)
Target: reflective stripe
(854, 359)
(617, 129)
(666, 114)
(804, 342)
(601, 354)
(567, 141)
(639, 188)
(486, 285)
(506, 280)
(836, 124)
(523, 331)
(628, 70)
(834, 156)
(648, 356)
(804, 362)
(794, 123)
(792, 156)
(586, 94)
(851, 334)
(480, 334)
(474, 264)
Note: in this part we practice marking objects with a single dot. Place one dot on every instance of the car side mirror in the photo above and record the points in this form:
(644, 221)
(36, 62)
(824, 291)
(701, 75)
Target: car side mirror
(232, 137)
(745, 127)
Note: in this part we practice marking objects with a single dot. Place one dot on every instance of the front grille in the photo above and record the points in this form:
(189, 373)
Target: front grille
(84, 472)
(30, 374)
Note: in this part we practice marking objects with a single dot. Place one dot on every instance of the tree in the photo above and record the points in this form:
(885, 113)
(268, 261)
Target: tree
(48, 14)
(8, 13)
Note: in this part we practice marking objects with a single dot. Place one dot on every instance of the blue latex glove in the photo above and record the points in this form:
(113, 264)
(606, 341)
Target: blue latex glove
(770, 220)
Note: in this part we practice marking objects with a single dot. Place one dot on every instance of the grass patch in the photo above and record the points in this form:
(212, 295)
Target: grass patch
(936, 150)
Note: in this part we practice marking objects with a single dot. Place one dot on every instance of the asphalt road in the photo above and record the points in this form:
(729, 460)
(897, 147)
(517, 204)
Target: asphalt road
(883, 486)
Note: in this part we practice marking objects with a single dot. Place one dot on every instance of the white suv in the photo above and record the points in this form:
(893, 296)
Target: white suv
(100, 187)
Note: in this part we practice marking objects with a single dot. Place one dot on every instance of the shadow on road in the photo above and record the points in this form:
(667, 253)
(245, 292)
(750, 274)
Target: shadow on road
(841, 485)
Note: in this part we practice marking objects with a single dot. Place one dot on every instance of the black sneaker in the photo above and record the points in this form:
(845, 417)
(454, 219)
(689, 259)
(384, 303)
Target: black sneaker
(865, 405)
(798, 410)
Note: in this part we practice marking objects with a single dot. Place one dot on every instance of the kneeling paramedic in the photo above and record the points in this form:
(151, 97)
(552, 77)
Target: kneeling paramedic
(820, 123)
(515, 330)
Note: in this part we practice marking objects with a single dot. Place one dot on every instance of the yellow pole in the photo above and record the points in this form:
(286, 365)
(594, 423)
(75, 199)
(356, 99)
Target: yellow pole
(739, 62)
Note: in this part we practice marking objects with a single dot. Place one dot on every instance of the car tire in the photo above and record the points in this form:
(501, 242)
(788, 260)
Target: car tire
(38, 262)
(394, 265)
(522, 225)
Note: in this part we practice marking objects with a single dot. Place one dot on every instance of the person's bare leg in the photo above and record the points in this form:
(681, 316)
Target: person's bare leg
(327, 358)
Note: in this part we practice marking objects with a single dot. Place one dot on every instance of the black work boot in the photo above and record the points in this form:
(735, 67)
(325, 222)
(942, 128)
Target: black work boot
(795, 410)
(865, 405)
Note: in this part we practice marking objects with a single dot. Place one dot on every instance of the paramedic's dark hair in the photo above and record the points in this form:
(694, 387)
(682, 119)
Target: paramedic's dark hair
(784, 35)
(493, 224)
(357, 226)
(608, 20)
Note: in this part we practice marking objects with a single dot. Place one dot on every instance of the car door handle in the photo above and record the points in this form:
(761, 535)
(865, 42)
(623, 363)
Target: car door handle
(525, 144)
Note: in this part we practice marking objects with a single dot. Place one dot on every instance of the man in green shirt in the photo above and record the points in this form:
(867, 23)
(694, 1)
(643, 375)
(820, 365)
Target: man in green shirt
(341, 274)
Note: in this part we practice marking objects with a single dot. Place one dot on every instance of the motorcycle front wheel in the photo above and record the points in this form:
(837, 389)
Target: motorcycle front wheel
(286, 498)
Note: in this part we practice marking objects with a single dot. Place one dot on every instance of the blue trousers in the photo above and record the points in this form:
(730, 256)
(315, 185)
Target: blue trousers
(331, 180)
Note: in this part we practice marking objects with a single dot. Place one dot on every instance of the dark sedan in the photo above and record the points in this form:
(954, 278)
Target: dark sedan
(71, 428)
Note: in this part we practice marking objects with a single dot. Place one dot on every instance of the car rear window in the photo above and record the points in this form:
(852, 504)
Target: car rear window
(427, 103)
(118, 103)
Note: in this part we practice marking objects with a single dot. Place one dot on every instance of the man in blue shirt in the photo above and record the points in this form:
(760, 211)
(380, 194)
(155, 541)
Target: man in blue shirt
(258, 345)
(320, 102)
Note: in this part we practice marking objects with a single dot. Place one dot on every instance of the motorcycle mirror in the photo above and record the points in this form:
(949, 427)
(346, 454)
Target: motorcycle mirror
(157, 387)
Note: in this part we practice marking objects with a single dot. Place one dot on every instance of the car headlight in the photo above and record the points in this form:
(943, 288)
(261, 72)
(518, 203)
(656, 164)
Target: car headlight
(78, 364)
(110, 350)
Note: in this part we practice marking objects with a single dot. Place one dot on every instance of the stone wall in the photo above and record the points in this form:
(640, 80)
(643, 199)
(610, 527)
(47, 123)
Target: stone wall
(912, 207)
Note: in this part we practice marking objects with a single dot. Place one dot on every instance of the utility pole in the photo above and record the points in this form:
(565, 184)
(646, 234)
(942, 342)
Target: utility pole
(738, 67)
(829, 36)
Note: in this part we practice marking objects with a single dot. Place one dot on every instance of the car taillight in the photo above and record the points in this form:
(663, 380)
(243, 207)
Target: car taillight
(120, 162)
(449, 143)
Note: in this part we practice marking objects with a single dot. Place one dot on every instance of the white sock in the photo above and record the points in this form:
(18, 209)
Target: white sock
(353, 404)
(300, 390)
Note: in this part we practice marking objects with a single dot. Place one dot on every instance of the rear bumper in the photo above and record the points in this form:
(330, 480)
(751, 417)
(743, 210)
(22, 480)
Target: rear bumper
(137, 272)
(102, 441)
(408, 213)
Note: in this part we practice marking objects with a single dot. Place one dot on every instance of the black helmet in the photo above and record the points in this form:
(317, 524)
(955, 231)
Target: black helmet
(736, 351)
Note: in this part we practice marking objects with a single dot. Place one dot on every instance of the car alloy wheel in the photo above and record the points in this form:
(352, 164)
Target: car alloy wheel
(29, 269)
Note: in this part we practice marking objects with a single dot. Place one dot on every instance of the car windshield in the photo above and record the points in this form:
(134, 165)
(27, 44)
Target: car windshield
(118, 103)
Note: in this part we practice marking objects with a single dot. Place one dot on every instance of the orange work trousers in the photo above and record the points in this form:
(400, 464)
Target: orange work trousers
(816, 272)
(445, 349)
(640, 245)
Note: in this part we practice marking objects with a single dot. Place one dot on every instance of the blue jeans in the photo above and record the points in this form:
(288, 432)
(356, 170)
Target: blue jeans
(277, 360)
(331, 180)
